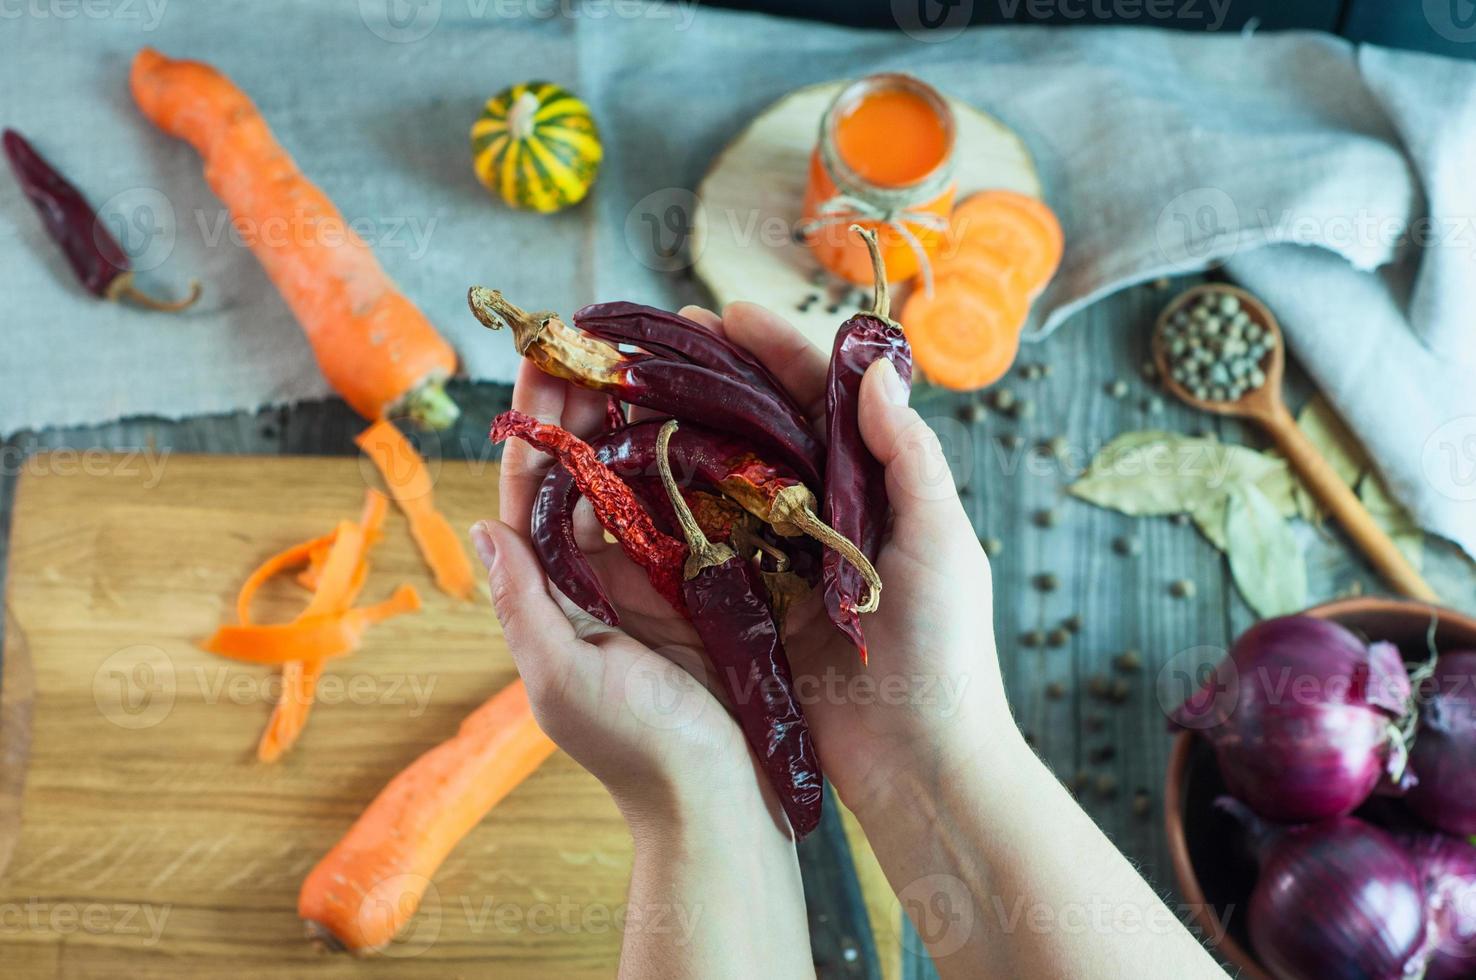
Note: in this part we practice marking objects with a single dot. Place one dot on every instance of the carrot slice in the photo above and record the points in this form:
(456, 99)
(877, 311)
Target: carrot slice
(1015, 228)
(990, 279)
(960, 339)
(370, 884)
(409, 484)
(376, 508)
(312, 638)
(273, 566)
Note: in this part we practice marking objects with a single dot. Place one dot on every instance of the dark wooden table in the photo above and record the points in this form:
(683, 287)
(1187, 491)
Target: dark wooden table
(1118, 748)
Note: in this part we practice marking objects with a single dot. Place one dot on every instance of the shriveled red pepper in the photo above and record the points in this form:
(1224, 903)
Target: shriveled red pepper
(856, 488)
(673, 387)
(659, 331)
(706, 460)
(615, 505)
(93, 253)
(725, 599)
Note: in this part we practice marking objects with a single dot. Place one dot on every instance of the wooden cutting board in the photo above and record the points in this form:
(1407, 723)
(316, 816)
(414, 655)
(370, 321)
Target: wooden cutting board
(152, 844)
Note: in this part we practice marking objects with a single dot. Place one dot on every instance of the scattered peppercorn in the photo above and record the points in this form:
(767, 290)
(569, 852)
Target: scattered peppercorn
(1055, 690)
(1072, 623)
(1003, 399)
(973, 412)
(833, 308)
(1024, 409)
(1153, 405)
(1059, 446)
(1106, 786)
(1142, 803)
(1031, 372)
(1149, 371)
(991, 546)
(1058, 638)
(1160, 284)
(1182, 589)
(1129, 661)
(1119, 690)
(1032, 638)
(1179, 520)
(1102, 754)
(1126, 545)
(1046, 582)
(1080, 781)
(1045, 518)
(1117, 388)
(1011, 441)
(1098, 686)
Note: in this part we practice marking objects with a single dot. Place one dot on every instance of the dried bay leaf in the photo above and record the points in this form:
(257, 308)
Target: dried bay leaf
(1265, 561)
(1146, 473)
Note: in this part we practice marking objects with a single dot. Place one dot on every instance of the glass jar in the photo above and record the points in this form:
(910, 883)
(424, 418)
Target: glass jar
(884, 160)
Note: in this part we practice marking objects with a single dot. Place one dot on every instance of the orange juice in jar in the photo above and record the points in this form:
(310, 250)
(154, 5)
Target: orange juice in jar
(884, 161)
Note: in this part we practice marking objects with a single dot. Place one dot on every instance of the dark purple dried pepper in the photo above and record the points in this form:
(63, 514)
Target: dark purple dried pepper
(93, 253)
(672, 387)
(659, 331)
(727, 604)
(856, 488)
(707, 461)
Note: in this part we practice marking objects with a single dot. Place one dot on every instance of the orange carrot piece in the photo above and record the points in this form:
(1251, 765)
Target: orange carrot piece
(332, 594)
(370, 884)
(315, 638)
(1016, 228)
(273, 566)
(409, 484)
(959, 339)
(377, 350)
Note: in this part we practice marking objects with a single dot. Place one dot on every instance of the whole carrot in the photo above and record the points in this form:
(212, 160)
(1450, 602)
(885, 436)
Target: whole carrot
(371, 883)
(377, 350)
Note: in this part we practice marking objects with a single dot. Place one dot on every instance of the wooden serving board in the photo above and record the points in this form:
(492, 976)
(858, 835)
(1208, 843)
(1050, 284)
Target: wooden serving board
(753, 193)
(143, 837)
(153, 844)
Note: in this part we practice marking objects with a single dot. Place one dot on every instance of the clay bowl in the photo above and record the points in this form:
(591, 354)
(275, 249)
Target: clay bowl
(1212, 875)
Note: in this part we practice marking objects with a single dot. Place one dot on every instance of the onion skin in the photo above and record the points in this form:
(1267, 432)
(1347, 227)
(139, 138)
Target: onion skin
(1301, 715)
(1335, 900)
(1447, 869)
(1443, 756)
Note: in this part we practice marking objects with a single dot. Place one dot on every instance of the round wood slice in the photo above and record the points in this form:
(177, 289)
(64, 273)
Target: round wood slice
(752, 195)
(17, 694)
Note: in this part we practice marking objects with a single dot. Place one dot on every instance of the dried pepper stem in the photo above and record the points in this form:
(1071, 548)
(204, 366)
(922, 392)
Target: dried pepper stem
(123, 288)
(703, 552)
(795, 505)
(881, 301)
(557, 348)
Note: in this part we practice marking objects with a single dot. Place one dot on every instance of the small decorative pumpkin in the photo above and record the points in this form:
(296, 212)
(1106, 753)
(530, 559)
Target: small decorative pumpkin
(537, 146)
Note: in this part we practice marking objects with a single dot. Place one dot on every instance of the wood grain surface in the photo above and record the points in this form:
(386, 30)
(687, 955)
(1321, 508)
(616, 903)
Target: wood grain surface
(152, 842)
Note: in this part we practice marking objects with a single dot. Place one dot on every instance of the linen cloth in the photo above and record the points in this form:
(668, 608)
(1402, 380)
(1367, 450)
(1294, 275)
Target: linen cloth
(1334, 181)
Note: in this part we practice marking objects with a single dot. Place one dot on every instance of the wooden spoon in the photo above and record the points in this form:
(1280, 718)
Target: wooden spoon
(1265, 405)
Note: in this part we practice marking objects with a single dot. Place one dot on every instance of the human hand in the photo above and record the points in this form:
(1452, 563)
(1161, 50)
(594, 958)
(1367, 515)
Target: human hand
(645, 727)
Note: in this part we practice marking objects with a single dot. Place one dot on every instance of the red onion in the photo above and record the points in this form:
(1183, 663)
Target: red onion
(1304, 718)
(1447, 869)
(1443, 756)
(1334, 899)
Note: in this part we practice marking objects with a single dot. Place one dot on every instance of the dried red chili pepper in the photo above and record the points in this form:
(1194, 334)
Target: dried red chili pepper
(93, 253)
(856, 491)
(671, 387)
(615, 505)
(707, 461)
(724, 594)
(659, 331)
